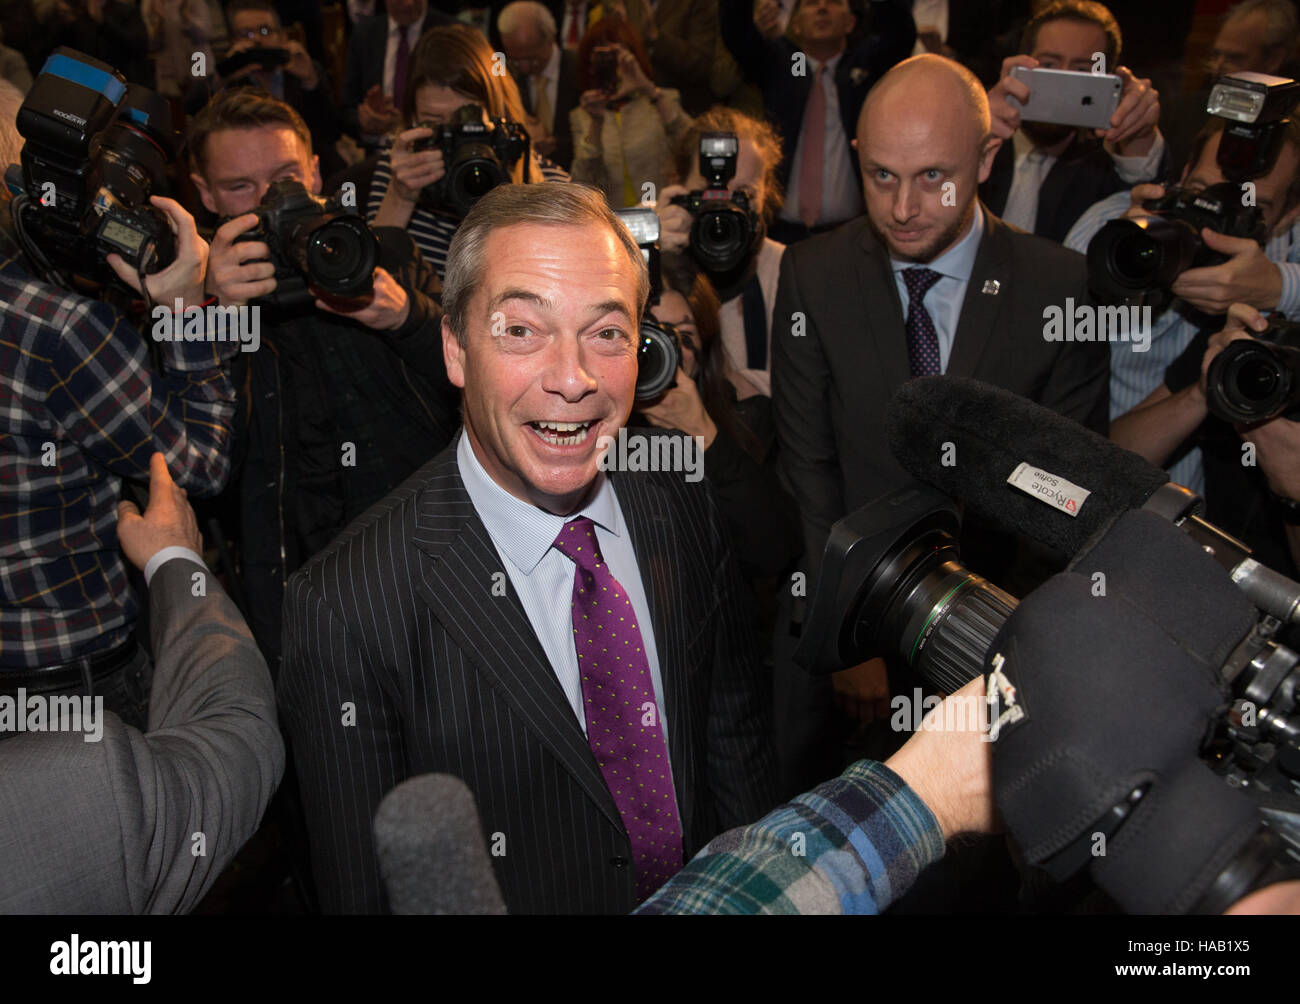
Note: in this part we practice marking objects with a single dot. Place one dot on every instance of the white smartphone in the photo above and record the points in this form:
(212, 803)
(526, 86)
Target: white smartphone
(1068, 97)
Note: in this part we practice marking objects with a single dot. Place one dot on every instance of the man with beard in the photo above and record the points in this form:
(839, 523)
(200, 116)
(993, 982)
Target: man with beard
(1044, 175)
(929, 281)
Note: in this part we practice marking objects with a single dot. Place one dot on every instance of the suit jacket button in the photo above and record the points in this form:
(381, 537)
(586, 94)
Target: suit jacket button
(619, 862)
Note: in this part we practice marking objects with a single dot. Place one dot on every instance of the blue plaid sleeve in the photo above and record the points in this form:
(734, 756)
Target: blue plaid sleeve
(107, 399)
(851, 845)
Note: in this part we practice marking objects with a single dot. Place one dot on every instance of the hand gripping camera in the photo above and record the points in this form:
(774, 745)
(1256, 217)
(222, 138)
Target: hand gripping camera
(95, 150)
(478, 156)
(725, 228)
(1257, 379)
(315, 244)
(659, 351)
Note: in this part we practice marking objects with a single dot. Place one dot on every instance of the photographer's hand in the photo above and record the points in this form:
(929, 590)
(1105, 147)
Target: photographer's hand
(1137, 209)
(386, 309)
(377, 114)
(1005, 117)
(413, 170)
(682, 408)
(301, 66)
(674, 221)
(1132, 130)
(235, 275)
(183, 278)
(1246, 277)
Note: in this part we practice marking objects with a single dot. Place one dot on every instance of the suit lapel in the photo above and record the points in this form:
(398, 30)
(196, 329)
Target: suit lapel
(985, 294)
(455, 577)
(881, 313)
(654, 538)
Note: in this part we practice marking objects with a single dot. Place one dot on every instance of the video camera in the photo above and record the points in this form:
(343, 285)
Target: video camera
(659, 351)
(315, 244)
(478, 157)
(1258, 379)
(725, 229)
(892, 583)
(96, 150)
(1141, 258)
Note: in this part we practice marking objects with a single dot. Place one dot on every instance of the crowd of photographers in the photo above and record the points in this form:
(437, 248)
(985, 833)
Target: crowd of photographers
(833, 197)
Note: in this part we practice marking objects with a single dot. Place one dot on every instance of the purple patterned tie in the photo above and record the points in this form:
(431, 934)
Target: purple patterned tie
(618, 698)
(922, 339)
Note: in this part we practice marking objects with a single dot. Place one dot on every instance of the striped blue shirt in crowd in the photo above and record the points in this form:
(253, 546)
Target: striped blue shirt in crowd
(1134, 375)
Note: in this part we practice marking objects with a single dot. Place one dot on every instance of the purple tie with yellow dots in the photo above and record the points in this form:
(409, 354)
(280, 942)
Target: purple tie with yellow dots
(619, 699)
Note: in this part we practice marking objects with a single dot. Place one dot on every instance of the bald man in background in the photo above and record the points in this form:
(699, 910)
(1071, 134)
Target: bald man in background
(928, 281)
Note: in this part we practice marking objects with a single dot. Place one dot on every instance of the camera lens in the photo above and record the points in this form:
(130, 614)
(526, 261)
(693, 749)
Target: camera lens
(657, 359)
(720, 237)
(473, 174)
(1252, 381)
(341, 256)
(1136, 257)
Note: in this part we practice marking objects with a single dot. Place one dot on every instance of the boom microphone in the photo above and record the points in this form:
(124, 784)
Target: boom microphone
(1026, 469)
(432, 856)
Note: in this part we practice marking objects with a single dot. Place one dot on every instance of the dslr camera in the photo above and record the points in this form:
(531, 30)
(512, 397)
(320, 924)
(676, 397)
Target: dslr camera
(96, 149)
(1132, 258)
(725, 229)
(1136, 257)
(315, 244)
(1258, 379)
(478, 156)
(659, 350)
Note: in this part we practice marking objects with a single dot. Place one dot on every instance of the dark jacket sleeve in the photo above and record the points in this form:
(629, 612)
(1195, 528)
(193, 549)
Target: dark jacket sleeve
(809, 459)
(741, 769)
(760, 515)
(758, 58)
(419, 341)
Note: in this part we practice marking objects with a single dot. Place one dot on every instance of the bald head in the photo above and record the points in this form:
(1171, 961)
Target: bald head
(929, 87)
(924, 145)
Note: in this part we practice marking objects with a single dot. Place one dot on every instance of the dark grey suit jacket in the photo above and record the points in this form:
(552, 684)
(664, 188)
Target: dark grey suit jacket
(108, 826)
(831, 386)
(566, 99)
(366, 49)
(398, 617)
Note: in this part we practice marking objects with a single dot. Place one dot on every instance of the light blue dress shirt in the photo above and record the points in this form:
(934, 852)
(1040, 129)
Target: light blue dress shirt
(542, 576)
(943, 300)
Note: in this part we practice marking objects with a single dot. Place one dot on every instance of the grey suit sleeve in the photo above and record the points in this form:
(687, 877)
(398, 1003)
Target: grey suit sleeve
(138, 823)
(801, 388)
(348, 747)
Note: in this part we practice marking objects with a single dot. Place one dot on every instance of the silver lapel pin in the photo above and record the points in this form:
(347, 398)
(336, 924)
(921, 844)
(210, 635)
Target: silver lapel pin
(991, 287)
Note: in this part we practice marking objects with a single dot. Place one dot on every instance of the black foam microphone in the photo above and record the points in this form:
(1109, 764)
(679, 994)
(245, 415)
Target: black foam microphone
(1025, 469)
(432, 856)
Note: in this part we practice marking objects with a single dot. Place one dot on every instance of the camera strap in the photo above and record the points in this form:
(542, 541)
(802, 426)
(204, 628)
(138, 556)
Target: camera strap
(755, 313)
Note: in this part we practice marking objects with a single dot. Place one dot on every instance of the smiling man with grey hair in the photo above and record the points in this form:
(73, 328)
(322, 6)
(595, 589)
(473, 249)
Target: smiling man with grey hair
(569, 640)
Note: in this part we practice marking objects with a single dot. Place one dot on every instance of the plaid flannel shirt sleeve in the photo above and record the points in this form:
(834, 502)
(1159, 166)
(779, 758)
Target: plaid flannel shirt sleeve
(119, 410)
(851, 845)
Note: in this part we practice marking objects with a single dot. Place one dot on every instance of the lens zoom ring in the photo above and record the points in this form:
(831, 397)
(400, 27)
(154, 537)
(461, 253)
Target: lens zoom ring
(954, 653)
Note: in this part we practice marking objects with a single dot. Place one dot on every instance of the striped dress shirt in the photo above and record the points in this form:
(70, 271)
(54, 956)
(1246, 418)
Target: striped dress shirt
(1134, 375)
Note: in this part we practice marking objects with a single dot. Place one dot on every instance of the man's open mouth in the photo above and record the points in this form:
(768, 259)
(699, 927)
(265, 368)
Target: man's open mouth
(562, 433)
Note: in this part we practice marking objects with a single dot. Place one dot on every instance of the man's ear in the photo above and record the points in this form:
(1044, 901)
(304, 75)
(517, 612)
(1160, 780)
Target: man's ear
(992, 145)
(205, 194)
(453, 356)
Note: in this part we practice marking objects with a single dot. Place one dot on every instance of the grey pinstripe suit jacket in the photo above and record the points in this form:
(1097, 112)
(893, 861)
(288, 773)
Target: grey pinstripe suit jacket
(398, 618)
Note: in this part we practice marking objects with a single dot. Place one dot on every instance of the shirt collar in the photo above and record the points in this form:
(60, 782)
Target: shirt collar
(523, 532)
(830, 64)
(959, 260)
(394, 28)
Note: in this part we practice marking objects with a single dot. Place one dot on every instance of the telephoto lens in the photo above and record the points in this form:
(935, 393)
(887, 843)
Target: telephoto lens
(340, 256)
(1258, 379)
(658, 356)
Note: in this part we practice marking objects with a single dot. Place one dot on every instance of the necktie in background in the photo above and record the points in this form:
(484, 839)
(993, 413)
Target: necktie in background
(542, 104)
(399, 67)
(922, 339)
(575, 29)
(810, 157)
(618, 699)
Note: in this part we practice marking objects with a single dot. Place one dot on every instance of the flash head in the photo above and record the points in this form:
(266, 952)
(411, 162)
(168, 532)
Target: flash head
(1253, 98)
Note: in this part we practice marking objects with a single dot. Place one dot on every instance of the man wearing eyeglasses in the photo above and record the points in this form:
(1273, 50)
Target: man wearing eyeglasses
(300, 82)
